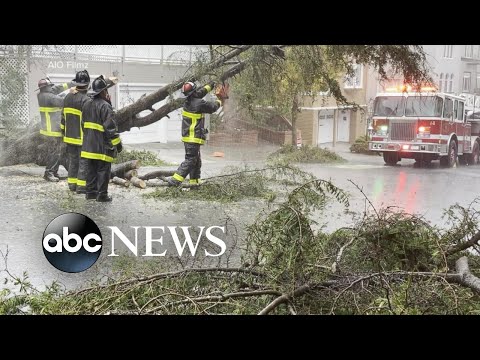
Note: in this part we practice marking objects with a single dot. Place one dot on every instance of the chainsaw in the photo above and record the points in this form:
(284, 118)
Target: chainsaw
(221, 91)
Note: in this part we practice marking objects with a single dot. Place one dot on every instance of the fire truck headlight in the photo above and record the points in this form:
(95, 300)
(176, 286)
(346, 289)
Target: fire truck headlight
(405, 147)
(384, 128)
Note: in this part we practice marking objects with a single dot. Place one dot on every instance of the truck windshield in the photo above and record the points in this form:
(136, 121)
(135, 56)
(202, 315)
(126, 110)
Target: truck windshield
(389, 106)
(424, 106)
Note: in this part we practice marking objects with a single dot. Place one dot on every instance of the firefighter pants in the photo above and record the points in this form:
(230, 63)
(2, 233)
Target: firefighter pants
(82, 173)
(73, 152)
(55, 155)
(192, 163)
(98, 177)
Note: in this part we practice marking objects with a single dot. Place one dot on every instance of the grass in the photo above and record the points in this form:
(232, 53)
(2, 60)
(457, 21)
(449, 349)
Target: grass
(147, 158)
(305, 154)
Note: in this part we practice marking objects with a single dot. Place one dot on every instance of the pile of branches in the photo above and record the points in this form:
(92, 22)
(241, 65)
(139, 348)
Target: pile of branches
(388, 262)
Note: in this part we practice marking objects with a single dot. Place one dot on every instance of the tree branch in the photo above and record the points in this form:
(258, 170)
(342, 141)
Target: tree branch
(466, 278)
(463, 245)
(159, 95)
(285, 298)
(170, 274)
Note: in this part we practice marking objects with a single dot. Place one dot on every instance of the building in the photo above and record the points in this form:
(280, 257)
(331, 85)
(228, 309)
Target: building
(455, 68)
(141, 69)
(323, 121)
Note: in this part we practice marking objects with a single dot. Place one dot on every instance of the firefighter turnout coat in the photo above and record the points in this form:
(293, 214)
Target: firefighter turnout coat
(193, 119)
(51, 104)
(100, 137)
(72, 117)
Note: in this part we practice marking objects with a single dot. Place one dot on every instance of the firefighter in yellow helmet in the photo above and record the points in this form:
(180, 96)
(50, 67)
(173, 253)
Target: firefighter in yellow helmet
(101, 142)
(193, 131)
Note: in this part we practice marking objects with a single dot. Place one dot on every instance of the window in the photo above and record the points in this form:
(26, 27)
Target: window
(440, 82)
(459, 110)
(478, 80)
(445, 89)
(389, 106)
(476, 51)
(466, 81)
(448, 108)
(447, 51)
(423, 106)
(451, 83)
(354, 81)
(468, 51)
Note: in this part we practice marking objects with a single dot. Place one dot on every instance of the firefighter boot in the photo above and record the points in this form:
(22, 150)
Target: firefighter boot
(172, 182)
(72, 187)
(104, 198)
(50, 177)
(91, 196)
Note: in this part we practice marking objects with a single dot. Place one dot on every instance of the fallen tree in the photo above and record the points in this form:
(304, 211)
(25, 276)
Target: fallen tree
(324, 62)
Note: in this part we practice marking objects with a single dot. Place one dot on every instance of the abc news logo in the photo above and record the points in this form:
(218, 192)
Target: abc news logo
(72, 242)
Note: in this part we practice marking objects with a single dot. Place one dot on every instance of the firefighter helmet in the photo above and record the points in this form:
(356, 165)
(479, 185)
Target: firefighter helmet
(98, 85)
(189, 88)
(82, 78)
(43, 83)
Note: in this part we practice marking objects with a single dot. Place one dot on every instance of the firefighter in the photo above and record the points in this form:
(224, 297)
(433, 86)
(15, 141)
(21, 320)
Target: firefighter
(72, 130)
(193, 131)
(101, 141)
(51, 104)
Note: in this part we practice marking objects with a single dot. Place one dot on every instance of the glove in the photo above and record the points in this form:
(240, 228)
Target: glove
(113, 80)
(212, 84)
(119, 148)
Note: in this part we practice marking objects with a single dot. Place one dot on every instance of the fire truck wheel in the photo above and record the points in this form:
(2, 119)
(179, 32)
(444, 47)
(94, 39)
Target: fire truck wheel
(474, 157)
(451, 158)
(391, 158)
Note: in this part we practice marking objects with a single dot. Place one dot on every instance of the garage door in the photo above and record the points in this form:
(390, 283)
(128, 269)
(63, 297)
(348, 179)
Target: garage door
(163, 131)
(325, 126)
(343, 125)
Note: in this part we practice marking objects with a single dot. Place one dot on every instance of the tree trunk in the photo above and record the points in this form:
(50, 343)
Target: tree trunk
(138, 182)
(294, 114)
(122, 182)
(120, 170)
(157, 174)
(131, 173)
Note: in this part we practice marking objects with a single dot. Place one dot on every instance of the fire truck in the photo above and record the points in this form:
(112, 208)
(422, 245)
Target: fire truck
(426, 126)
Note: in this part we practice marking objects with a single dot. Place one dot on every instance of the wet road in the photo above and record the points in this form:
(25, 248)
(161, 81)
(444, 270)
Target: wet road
(29, 204)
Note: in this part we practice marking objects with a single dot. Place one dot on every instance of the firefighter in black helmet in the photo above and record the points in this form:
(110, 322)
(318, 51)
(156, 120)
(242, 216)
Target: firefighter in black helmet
(51, 104)
(193, 131)
(72, 130)
(101, 141)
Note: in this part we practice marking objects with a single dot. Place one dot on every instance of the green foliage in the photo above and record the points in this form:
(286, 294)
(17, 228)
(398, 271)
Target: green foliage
(305, 154)
(237, 183)
(387, 262)
(147, 158)
(361, 146)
